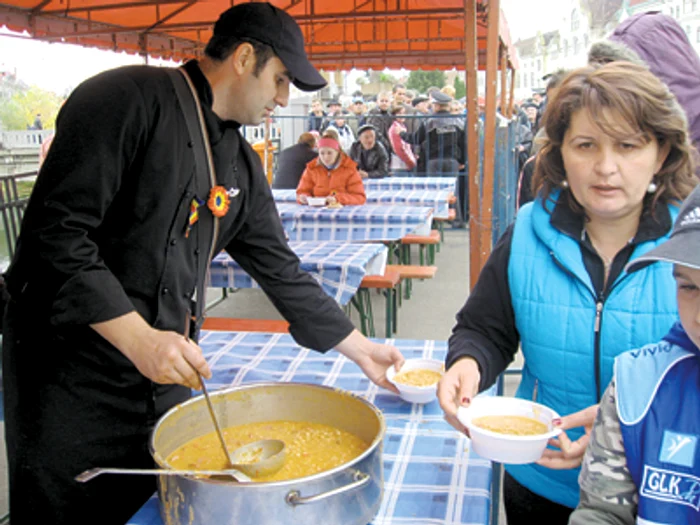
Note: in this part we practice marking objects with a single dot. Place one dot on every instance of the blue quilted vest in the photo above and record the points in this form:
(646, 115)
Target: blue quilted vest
(555, 313)
(658, 402)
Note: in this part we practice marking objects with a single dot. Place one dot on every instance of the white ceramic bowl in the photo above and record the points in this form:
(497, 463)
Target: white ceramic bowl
(505, 448)
(417, 394)
(316, 201)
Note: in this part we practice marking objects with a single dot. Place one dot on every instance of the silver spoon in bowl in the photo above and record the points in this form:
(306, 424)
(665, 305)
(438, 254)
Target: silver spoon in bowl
(259, 458)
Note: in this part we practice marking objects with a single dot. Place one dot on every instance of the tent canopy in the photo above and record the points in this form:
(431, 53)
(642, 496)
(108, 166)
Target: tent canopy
(340, 34)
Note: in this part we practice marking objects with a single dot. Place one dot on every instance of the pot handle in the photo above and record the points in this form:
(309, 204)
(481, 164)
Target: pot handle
(360, 479)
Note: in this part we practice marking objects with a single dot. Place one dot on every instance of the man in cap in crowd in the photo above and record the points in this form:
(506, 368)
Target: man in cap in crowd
(369, 154)
(442, 142)
(333, 107)
(421, 104)
(441, 138)
(531, 108)
(99, 335)
(357, 114)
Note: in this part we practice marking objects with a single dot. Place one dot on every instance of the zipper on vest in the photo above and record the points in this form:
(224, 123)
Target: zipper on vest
(596, 345)
(599, 303)
(535, 389)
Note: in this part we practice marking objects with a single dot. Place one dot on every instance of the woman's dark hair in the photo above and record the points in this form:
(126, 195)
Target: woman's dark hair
(626, 91)
(221, 47)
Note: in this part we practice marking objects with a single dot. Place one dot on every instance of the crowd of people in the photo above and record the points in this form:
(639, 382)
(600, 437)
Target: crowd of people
(597, 282)
(399, 132)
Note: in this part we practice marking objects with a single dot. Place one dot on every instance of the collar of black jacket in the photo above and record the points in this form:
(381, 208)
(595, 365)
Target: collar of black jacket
(654, 223)
(206, 95)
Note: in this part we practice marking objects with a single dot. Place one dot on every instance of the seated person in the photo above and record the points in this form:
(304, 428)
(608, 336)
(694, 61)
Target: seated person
(371, 157)
(293, 160)
(333, 175)
(641, 465)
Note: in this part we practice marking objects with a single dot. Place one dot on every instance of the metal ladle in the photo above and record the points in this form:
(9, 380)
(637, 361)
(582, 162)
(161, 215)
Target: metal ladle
(259, 458)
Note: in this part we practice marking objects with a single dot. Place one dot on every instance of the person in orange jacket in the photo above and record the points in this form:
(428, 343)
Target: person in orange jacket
(332, 175)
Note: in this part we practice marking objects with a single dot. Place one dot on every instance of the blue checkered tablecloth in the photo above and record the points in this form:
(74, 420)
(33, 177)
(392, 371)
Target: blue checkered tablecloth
(438, 200)
(353, 223)
(337, 266)
(411, 183)
(431, 476)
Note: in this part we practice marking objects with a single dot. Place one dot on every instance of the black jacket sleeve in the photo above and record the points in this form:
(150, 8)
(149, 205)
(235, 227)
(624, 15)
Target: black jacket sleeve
(485, 328)
(417, 138)
(316, 321)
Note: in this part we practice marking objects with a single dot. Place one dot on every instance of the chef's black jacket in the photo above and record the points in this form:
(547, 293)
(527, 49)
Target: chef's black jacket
(105, 233)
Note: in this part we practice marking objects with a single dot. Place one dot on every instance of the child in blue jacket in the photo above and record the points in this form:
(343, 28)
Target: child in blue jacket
(642, 464)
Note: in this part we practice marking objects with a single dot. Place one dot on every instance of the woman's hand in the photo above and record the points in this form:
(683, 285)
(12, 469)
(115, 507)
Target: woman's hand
(570, 453)
(331, 199)
(457, 388)
(303, 199)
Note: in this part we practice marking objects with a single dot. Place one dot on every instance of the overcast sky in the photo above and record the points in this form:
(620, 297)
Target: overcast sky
(526, 17)
(61, 67)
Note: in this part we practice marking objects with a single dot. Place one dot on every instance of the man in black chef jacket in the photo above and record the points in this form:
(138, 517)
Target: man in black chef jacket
(116, 237)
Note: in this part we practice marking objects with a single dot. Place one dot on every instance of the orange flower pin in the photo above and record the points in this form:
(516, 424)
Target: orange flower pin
(218, 201)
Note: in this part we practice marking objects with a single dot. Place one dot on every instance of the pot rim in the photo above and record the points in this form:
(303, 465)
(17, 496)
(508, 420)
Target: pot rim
(378, 439)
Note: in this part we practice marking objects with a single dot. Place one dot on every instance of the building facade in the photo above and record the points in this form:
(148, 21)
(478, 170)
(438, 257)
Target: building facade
(588, 21)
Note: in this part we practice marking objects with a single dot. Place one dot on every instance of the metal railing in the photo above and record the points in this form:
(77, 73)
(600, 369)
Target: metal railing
(284, 131)
(13, 201)
(30, 138)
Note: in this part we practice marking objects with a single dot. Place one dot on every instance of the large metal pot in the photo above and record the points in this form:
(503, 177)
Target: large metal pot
(347, 495)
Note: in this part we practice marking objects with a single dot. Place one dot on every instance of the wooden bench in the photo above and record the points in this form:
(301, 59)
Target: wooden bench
(230, 324)
(429, 241)
(407, 272)
(388, 284)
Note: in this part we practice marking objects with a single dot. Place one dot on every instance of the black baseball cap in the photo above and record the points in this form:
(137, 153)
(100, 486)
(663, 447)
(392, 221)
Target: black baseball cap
(364, 128)
(683, 247)
(276, 28)
(418, 99)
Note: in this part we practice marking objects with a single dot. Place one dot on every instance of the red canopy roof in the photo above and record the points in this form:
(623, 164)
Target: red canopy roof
(340, 34)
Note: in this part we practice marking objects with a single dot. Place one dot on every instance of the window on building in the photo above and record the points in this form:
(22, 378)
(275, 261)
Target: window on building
(687, 30)
(678, 11)
(575, 20)
(539, 65)
(693, 5)
(574, 51)
(566, 48)
(517, 81)
(524, 80)
(697, 35)
(532, 79)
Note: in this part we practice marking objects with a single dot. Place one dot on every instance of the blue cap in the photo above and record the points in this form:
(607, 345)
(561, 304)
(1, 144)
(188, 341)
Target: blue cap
(441, 98)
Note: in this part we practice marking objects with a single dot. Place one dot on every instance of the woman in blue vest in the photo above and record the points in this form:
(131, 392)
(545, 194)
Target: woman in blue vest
(643, 461)
(614, 165)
